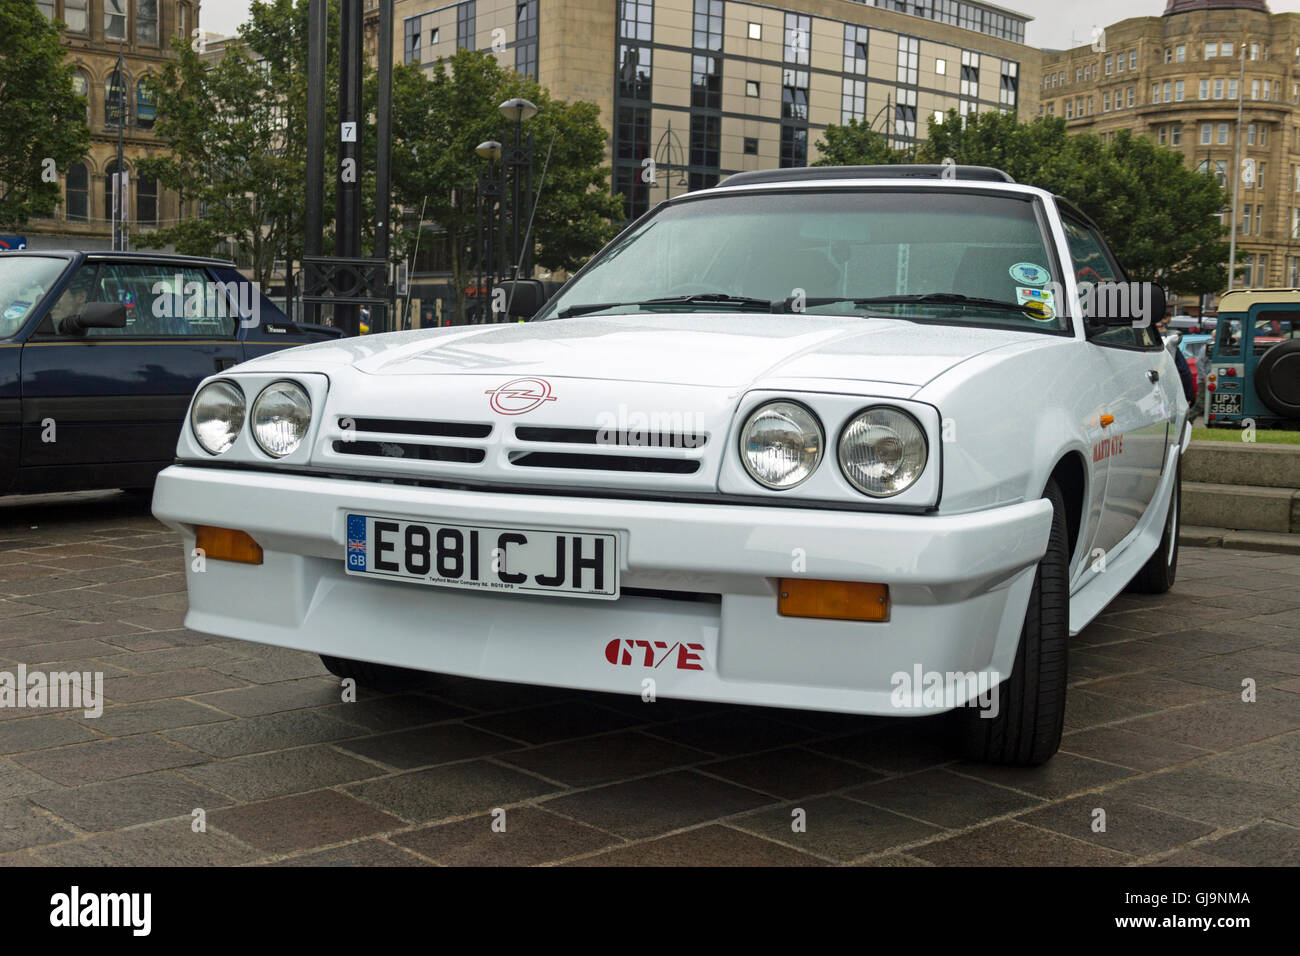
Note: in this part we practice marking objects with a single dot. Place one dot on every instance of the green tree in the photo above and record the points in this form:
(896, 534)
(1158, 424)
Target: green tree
(856, 144)
(439, 119)
(237, 132)
(1160, 217)
(43, 119)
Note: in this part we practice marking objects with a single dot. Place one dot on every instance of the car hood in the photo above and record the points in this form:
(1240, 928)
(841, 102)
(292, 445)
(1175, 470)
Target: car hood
(721, 350)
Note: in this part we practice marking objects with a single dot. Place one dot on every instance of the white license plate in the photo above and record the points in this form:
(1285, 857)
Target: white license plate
(532, 561)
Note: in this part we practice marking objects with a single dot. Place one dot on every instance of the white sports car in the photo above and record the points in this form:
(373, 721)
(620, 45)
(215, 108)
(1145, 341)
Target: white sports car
(844, 439)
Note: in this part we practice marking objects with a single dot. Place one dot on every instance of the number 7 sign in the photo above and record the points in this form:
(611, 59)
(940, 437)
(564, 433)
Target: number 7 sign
(348, 132)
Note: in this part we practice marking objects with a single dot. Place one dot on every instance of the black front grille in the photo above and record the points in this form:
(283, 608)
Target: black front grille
(555, 459)
(633, 438)
(406, 426)
(409, 451)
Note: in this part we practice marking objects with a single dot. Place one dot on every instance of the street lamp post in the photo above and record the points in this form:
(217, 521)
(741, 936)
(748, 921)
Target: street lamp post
(520, 163)
(668, 146)
(487, 236)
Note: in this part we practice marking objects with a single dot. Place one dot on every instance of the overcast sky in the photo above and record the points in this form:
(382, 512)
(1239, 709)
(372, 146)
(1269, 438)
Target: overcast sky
(1056, 24)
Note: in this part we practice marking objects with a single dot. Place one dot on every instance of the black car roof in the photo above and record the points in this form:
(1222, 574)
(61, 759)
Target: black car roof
(99, 255)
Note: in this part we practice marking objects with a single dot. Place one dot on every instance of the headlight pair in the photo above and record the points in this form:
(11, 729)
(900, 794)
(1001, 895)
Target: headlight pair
(281, 415)
(882, 450)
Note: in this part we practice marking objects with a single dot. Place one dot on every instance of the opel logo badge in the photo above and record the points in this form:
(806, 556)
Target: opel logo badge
(520, 395)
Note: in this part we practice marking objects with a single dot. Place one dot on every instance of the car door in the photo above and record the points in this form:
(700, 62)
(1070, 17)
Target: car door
(115, 398)
(1129, 427)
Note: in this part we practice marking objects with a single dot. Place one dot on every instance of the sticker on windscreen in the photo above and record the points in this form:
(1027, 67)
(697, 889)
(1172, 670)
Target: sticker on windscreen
(1041, 306)
(1026, 273)
(17, 310)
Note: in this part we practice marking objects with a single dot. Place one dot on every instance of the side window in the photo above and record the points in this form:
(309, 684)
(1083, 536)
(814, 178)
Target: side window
(70, 303)
(163, 302)
(1273, 327)
(1092, 263)
(1229, 337)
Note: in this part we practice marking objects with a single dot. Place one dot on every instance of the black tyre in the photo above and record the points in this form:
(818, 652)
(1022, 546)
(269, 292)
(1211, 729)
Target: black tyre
(1277, 379)
(374, 676)
(1157, 575)
(1031, 702)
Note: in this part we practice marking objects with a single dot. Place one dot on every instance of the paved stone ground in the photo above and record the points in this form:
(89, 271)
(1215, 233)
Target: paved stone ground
(1158, 737)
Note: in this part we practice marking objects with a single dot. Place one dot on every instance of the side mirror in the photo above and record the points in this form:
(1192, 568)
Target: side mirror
(520, 297)
(97, 315)
(1108, 305)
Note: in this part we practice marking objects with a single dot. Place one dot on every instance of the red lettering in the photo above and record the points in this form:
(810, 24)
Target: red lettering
(687, 659)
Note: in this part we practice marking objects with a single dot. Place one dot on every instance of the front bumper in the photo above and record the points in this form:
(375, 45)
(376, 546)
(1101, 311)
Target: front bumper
(959, 586)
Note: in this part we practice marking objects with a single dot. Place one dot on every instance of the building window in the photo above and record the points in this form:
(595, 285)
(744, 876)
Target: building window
(1161, 136)
(434, 36)
(706, 141)
(411, 46)
(1225, 49)
(940, 67)
(1131, 95)
(115, 100)
(1250, 134)
(1105, 102)
(751, 145)
(1254, 51)
(708, 25)
(77, 203)
(1218, 89)
(114, 19)
(1169, 54)
(1178, 91)
(855, 49)
(1211, 50)
(794, 146)
(1176, 135)
(905, 114)
(1207, 133)
(146, 22)
(1232, 89)
(706, 82)
(76, 14)
(1069, 109)
(1010, 84)
(756, 31)
(525, 38)
(635, 192)
(794, 94)
(146, 201)
(751, 88)
(1110, 65)
(636, 19)
(1223, 134)
(145, 110)
(634, 72)
(46, 7)
(81, 86)
(1205, 89)
(467, 26)
(970, 74)
(632, 133)
(909, 60)
(853, 104)
(1132, 59)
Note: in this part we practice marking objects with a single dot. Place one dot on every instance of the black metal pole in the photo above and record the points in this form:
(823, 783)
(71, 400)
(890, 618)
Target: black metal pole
(119, 198)
(347, 205)
(517, 160)
(384, 150)
(317, 25)
(527, 252)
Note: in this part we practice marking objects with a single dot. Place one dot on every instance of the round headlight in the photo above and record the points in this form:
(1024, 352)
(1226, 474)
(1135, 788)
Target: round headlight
(217, 416)
(281, 415)
(781, 445)
(882, 452)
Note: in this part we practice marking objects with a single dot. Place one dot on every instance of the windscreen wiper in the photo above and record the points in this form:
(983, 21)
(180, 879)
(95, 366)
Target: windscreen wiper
(934, 298)
(703, 298)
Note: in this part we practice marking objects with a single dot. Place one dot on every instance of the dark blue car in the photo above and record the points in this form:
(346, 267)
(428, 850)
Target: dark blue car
(100, 353)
